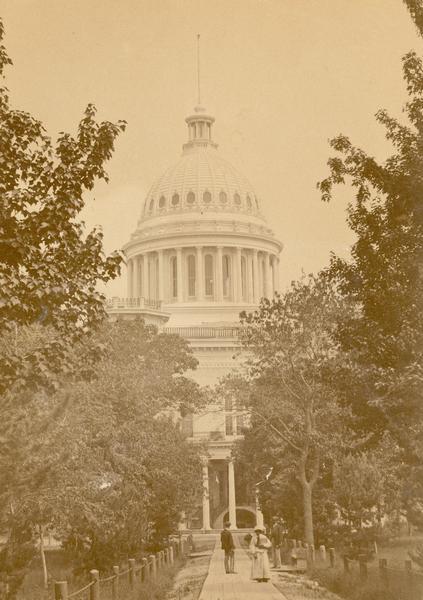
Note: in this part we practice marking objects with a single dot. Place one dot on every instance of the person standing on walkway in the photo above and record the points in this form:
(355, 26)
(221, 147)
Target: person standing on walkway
(276, 537)
(228, 546)
(259, 545)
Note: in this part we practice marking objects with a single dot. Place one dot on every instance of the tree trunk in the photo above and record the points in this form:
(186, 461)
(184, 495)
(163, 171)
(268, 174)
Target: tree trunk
(308, 512)
(43, 556)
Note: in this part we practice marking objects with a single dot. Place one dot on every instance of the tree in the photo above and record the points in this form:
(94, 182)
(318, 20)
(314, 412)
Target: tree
(48, 267)
(290, 341)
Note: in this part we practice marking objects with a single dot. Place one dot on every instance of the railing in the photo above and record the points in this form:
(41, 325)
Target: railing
(204, 332)
(116, 302)
(148, 570)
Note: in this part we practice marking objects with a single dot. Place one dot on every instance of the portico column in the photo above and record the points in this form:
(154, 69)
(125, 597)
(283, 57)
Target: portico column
(256, 277)
(136, 292)
(147, 276)
(141, 267)
(200, 275)
(267, 278)
(250, 288)
(276, 272)
(160, 275)
(179, 274)
(219, 275)
(206, 497)
(232, 500)
(238, 276)
(129, 267)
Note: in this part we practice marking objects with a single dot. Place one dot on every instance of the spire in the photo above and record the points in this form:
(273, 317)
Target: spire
(199, 124)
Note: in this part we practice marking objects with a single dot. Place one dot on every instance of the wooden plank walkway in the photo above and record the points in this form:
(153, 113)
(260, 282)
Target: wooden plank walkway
(222, 586)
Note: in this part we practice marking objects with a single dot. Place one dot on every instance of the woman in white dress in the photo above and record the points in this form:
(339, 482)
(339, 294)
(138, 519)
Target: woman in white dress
(259, 544)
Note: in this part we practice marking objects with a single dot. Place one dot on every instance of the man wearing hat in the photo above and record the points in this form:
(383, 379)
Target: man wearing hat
(259, 545)
(228, 546)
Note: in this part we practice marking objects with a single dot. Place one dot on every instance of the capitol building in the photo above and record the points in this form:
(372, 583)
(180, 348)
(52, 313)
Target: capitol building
(201, 253)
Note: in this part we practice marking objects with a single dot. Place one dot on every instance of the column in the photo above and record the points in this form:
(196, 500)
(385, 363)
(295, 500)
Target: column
(179, 273)
(147, 276)
(276, 272)
(129, 271)
(206, 497)
(199, 279)
(160, 275)
(136, 285)
(267, 278)
(219, 275)
(250, 287)
(256, 277)
(238, 276)
(142, 275)
(232, 500)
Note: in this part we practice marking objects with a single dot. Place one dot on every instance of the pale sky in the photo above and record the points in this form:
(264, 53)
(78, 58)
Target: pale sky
(281, 77)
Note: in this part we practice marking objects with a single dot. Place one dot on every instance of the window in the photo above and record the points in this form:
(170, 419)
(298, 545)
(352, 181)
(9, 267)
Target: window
(244, 277)
(174, 276)
(207, 197)
(187, 425)
(240, 424)
(162, 202)
(229, 425)
(228, 403)
(191, 275)
(226, 271)
(208, 275)
(237, 199)
(190, 198)
(151, 207)
(175, 200)
(223, 197)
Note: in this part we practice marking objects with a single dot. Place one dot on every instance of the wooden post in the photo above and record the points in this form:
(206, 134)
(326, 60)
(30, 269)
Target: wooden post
(363, 566)
(346, 564)
(115, 583)
(131, 562)
(171, 556)
(409, 572)
(61, 590)
(95, 588)
(153, 568)
(181, 545)
(332, 556)
(375, 549)
(322, 552)
(312, 554)
(294, 543)
(383, 570)
(144, 569)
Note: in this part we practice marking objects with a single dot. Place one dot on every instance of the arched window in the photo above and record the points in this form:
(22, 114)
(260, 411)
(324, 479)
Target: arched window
(151, 207)
(191, 275)
(237, 199)
(175, 199)
(173, 277)
(190, 198)
(249, 203)
(223, 197)
(162, 202)
(226, 272)
(244, 278)
(207, 197)
(208, 275)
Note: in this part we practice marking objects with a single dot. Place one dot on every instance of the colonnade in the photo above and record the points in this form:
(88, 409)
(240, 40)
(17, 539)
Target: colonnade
(204, 273)
(231, 495)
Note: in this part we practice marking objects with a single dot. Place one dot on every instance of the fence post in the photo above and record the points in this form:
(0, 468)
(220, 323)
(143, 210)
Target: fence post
(409, 573)
(153, 569)
(95, 588)
(363, 566)
(346, 564)
(171, 556)
(144, 569)
(131, 562)
(383, 569)
(294, 543)
(115, 583)
(332, 556)
(322, 552)
(312, 554)
(61, 590)
(375, 548)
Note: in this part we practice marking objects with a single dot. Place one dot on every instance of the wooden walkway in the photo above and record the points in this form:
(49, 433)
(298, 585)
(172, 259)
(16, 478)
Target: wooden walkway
(221, 586)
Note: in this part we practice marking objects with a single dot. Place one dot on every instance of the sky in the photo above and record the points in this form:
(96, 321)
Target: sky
(281, 77)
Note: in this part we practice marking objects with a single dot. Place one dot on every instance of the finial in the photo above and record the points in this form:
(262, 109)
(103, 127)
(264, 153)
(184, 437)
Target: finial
(198, 69)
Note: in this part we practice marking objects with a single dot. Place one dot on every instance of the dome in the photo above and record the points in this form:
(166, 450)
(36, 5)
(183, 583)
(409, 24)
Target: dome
(201, 181)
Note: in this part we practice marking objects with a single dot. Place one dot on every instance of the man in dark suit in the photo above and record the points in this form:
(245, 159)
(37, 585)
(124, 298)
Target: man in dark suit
(228, 546)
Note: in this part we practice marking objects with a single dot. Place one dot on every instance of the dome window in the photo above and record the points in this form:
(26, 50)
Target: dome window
(249, 203)
(190, 198)
(237, 199)
(175, 199)
(223, 197)
(207, 197)
(162, 202)
(151, 207)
